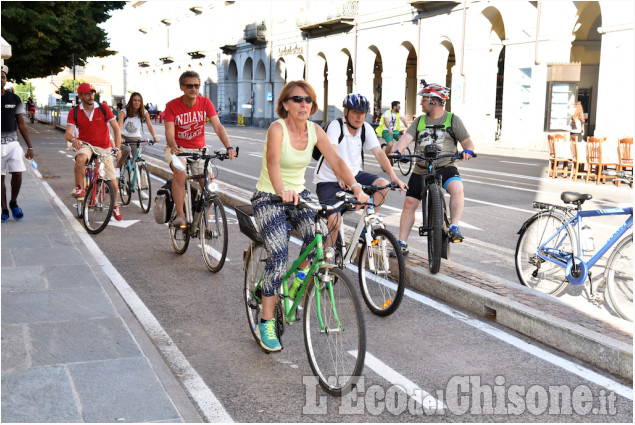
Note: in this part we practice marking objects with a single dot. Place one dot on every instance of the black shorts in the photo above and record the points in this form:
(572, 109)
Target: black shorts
(447, 174)
(326, 190)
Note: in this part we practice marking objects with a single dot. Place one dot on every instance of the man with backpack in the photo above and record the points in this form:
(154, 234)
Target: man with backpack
(92, 119)
(349, 135)
(436, 125)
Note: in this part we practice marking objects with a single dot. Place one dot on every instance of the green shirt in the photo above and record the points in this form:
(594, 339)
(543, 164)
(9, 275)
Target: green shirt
(293, 162)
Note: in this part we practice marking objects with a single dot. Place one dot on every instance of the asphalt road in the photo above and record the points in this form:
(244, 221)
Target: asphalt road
(458, 359)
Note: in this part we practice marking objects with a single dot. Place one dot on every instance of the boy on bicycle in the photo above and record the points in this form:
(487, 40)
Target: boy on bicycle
(432, 127)
(349, 136)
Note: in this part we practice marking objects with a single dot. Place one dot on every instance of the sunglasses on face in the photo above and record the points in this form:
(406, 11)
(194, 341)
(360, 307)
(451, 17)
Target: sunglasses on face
(192, 86)
(299, 99)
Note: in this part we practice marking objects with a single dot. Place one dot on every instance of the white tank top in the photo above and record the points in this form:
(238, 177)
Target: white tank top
(131, 127)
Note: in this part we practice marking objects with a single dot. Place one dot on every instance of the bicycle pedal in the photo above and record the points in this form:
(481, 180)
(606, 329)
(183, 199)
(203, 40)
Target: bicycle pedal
(422, 231)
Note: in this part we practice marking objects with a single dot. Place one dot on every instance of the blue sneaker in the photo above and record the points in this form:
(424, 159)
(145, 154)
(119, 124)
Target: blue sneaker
(268, 338)
(404, 249)
(455, 234)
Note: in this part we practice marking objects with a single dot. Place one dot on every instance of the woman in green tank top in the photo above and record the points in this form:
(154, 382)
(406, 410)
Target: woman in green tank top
(288, 148)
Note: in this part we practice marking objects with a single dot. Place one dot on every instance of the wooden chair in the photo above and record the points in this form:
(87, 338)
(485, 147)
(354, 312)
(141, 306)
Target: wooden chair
(625, 156)
(555, 159)
(579, 160)
(594, 159)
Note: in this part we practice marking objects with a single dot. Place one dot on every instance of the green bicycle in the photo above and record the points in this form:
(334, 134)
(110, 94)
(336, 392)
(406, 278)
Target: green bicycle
(135, 178)
(334, 330)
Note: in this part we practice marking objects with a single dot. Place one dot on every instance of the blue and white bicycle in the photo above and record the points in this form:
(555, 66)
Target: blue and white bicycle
(552, 244)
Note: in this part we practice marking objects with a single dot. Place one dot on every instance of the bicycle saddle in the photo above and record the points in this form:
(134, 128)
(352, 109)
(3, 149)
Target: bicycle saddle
(574, 197)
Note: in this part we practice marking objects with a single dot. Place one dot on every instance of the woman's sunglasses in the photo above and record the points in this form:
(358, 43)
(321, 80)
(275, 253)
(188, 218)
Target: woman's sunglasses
(299, 99)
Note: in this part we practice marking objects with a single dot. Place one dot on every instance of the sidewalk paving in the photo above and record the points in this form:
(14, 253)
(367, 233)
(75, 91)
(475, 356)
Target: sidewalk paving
(71, 349)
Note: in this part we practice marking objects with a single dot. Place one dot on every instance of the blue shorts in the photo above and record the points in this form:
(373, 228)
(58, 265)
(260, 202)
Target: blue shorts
(326, 190)
(447, 174)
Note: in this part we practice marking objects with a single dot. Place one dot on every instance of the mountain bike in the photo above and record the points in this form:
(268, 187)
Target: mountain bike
(95, 209)
(436, 222)
(135, 178)
(333, 324)
(552, 245)
(381, 282)
(204, 214)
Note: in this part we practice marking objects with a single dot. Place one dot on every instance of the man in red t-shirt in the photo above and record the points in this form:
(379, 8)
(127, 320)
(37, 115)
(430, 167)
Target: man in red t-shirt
(93, 129)
(185, 119)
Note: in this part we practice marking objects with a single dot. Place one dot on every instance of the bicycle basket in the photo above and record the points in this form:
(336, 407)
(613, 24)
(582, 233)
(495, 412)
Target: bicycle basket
(246, 223)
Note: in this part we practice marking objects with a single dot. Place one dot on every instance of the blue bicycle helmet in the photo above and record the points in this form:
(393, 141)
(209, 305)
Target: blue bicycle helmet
(356, 102)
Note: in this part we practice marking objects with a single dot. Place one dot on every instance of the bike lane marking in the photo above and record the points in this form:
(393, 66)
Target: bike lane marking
(202, 395)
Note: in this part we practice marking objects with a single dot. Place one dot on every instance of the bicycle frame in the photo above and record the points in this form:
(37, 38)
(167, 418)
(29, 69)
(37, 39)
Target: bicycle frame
(134, 171)
(575, 222)
(316, 264)
(368, 215)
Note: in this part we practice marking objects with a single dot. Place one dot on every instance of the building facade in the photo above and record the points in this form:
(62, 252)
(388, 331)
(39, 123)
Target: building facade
(514, 67)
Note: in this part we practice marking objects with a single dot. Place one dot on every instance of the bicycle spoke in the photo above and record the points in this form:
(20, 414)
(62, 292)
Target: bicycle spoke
(213, 228)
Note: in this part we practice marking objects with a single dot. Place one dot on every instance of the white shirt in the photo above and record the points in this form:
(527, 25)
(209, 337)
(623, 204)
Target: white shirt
(350, 150)
(131, 126)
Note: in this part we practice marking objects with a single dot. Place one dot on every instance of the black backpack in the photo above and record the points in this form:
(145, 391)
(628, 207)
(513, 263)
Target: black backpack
(317, 155)
(76, 108)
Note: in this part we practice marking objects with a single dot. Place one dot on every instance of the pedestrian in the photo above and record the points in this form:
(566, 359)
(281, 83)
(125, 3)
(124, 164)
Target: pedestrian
(12, 162)
(576, 125)
(445, 129)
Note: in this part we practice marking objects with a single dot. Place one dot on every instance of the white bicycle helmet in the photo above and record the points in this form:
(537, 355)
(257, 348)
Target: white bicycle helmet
(435, 90)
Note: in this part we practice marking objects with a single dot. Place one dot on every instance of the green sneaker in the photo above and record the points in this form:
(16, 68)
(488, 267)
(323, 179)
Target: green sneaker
(268, 337)
(300, 275)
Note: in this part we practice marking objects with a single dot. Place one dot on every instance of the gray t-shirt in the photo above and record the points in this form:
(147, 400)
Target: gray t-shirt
(438, 136)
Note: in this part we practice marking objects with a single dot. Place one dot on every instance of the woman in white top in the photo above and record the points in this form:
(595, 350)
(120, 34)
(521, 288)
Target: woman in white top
(577, 121)
(131, 124)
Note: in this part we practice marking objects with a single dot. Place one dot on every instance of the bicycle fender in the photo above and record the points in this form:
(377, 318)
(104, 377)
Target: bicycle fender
(535, 217)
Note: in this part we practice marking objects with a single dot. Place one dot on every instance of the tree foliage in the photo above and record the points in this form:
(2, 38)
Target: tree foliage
(44, 35)
(24, 91)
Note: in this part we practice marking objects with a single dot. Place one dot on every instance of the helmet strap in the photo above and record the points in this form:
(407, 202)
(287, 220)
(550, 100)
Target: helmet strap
(348, 124)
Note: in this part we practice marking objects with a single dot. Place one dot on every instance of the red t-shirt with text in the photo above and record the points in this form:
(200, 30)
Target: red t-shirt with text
(189, 123)
(93, 130)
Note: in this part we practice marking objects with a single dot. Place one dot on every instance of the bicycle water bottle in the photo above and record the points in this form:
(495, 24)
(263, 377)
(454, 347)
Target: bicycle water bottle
(587, 238)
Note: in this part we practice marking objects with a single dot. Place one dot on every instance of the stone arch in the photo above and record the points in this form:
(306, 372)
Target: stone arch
(231, 89)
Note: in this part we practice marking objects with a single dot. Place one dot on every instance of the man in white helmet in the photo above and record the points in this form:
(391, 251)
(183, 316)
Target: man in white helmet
(436, 125)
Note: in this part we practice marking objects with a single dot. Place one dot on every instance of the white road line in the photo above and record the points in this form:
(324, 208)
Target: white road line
(210, 406)
(425, 399)
(522, 163)
(212, 251)
(229, 170)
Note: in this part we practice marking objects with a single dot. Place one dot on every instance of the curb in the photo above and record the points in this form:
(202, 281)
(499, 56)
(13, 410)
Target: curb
(593, 347)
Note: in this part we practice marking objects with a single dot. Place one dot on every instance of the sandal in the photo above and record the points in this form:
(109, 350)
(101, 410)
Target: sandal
(17, 213)
(5, 216)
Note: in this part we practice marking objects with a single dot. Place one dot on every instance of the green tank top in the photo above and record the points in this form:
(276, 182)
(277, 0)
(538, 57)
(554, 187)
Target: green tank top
(293, 162)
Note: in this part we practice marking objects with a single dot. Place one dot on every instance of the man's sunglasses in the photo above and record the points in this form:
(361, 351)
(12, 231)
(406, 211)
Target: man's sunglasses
(192, 86)
(299, 99)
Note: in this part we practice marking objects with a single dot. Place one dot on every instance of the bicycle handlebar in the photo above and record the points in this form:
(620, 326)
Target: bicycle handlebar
(138, 142)
(405, 158)
(217, 155)
(315, 206)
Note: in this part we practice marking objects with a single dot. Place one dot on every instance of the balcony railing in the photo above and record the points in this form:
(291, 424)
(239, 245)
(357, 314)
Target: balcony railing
(332, 16)
(256, 33)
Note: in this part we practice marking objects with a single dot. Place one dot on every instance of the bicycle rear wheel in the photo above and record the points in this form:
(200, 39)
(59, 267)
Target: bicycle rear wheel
(98, 205)
(213, 227)
(255, 261)
(125, 189)
(534, 271)
(180, 236)
(144, 187)
(435, 226)
(336, 353)
(383, 287)
(619, 279)
(405, 167)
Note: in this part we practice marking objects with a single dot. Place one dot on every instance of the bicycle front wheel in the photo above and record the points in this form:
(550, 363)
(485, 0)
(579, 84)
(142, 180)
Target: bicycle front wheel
(79, 207)
(334, 332)
(435, 226)
(405, 167)
(383, 284)
(255, 261)
(145, 189)
(213, 227)
(534, 271)
(619, 279)
(98, 205)
(125, 191)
